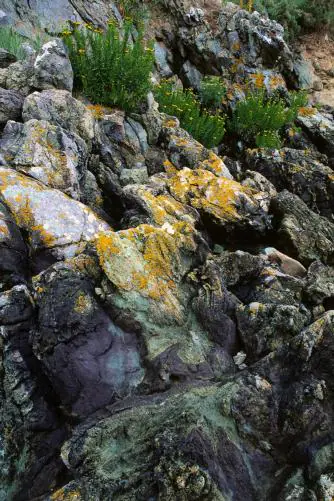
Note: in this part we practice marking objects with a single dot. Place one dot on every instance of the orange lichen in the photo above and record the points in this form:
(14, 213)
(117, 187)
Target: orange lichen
(98, 111)
(306, 111)
(150, 261)
(170, 123)
(258, 79)
(66, 495)
(82, 304)
(169, 166)
(214, 164)
(203, 190)
(46, 238)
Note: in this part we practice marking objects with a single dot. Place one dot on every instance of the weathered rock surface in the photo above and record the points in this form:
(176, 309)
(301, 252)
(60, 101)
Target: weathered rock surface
(59, 108)
(52, 67)
(11, 103)
(302, 233)
(50, 154)
(166, 310)
(300, 172)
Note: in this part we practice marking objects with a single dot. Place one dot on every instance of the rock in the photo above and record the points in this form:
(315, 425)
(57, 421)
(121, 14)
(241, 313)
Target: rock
(57, 225)
(133, 176)
(48, 153)
(264, 327)
(151, 204)
(51, 16)
(301, 172)
(52, 67)
(6, 58)
(181, 458)
(76, 359)
(163, 59)
(146, 269)
(320, 284)
(59, 108)
(20, 76)
(222, 203)
(305, 74)
(11, 103)
(191, 76)
(16, 305)
(301, 233)
(286, 264)
(184, 151)
(320, 128)
(13, 252)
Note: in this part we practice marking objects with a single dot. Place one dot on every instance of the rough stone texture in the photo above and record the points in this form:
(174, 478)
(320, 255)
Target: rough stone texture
(47, 153)
(20, 76)
(169, 336)
(300, 172)
(52, 14)
(59, 108)
(320, 129)
(76, 359)
(302, 233)
(11, 103)
(6, 58)
(52, 68)
(57, 225)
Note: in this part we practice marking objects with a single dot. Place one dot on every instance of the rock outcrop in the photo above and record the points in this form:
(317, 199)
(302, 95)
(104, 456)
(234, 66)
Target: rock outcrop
(166, 310)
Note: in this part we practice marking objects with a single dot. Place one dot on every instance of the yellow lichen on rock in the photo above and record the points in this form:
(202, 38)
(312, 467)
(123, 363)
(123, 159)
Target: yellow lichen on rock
(148, 261)
(66, 495)
(203, 190)
(214, 164)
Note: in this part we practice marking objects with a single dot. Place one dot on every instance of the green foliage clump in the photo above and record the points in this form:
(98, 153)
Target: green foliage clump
(12, 41)
(212, 91)
(205, 127)
(298, 15)
(109, 67)
(258, 120)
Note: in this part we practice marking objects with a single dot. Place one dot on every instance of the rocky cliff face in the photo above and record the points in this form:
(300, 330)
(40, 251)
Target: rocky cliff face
(166, 314)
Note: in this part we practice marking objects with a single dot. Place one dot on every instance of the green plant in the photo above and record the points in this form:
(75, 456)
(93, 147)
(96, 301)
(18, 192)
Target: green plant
(12, 41)
(258, 119)
(212, 91)
(297, 16)
(206, 128)
(109, 67)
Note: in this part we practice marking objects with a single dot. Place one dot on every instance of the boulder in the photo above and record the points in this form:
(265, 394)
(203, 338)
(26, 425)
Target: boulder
(79, 346)
(11, 103)
(300, 172)
(13, 252)
(6, 58)
(319, 126)
(56, 225)
(320, 284)
(48, 153)
(224, 205)
(301, 233)
(52, 67)
(59, 108)
(19, 76)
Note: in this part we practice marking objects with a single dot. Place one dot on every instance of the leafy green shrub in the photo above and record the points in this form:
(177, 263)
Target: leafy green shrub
(12, 41)
(109, 68)
(212, 91)
(258, 119)
(206, 128)
(296, 16)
